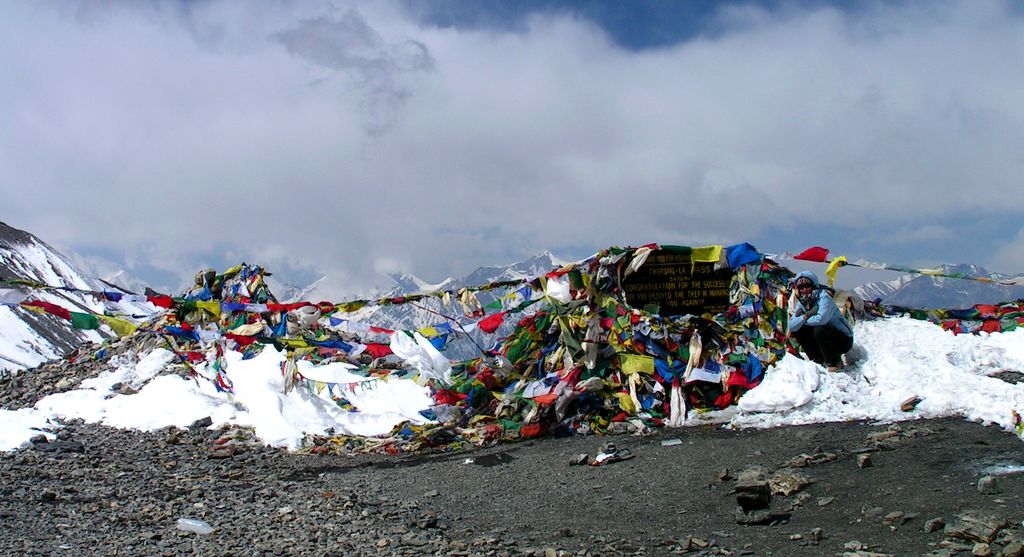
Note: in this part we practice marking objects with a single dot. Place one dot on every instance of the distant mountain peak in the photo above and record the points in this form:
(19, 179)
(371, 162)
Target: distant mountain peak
(11, 235)
(411, 284)
(935, 292)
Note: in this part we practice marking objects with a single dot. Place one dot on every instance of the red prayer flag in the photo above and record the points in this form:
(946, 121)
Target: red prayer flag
(987, 310)
(287, 307)
(991, 326)
(53, 309)
(240, 339)
(816, 253)
(491, 324)
(378, 350)
(161, 301)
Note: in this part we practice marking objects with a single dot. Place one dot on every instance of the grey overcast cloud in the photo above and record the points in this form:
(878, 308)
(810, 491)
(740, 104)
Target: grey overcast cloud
(352, 139)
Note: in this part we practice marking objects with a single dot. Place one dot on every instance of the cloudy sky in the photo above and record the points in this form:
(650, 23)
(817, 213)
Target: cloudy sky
(355, 139)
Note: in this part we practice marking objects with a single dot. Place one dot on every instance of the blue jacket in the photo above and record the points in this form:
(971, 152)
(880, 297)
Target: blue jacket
(827, 312)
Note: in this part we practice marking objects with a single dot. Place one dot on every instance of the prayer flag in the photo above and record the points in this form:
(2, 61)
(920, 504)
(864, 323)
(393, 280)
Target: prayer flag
(816, 253)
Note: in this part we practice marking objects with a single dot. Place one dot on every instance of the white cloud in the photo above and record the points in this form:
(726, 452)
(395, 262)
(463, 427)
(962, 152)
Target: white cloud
(348, 139)
(1009, 255)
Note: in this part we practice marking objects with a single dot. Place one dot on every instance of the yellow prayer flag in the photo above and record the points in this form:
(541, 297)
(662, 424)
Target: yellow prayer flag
(834, 266)
(707, 254)
(428, 332)
(293, 342)
(212, 306)
(626, 403)
(121, 327)
(636, 363)
(350, 306)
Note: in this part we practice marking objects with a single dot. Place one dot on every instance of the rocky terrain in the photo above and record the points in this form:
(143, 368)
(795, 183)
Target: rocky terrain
(937, 487)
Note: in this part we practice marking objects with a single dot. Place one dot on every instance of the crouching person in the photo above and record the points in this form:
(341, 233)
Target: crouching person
(817, 324)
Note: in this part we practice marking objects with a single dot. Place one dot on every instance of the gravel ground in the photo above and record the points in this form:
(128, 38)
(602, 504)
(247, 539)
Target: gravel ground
(925, 487)
(101, 491)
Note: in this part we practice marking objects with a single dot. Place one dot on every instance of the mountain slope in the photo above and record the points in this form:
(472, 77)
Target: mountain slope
(431, 311)
(28, 339)
(928, 292)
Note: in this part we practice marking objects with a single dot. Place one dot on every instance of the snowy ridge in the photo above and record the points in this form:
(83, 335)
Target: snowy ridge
(288, 293)
(927, 292)
(108, 273)
(893, 360)
(28, 339)
(429, 311)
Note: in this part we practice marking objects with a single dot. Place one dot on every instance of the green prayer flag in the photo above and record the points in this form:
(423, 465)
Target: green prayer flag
(84, 320)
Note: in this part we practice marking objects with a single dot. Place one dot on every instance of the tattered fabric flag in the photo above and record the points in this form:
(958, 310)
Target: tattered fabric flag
(378, 350)
(636, 363)
(161, 301)
(12, 296)
(120, 327)
(228, 307)
(213, 307)
(677, 406)
(428, 332)
(47, 307)
(741, 254)
(706, 254)
(348, 307)
(470, 304)
(491, 323)
(242, 340)
(639, 258)
(834, 266)
(112, 296)
(816, 253)
(84, 320)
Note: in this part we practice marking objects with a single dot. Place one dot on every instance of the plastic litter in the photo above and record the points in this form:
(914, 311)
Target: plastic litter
(609, 454)
(194, 525)
(671, 442)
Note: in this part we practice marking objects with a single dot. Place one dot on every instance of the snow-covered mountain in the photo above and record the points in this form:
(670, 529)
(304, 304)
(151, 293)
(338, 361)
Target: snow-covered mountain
(27, 338)
(927, 292)
(109, 273)
(431, 311)
(287, 292)
(408, 316)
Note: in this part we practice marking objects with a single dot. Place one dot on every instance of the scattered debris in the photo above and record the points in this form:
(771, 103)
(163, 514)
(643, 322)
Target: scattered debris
(911, 403)
(609, 454)
(582, 458)
(1010, 376)
(981, 550)
(975, 527)
(753, 495)
(805, 460)
(1013, 549)
(787, 482)
(934, 524)
(761, 517)
(896, 519)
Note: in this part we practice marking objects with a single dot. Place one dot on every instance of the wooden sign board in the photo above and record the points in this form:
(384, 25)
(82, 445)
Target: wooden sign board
(677, 286)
